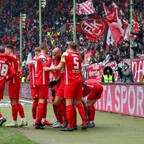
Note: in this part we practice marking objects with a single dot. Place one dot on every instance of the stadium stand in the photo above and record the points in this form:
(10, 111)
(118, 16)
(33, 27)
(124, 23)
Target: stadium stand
(54, 16)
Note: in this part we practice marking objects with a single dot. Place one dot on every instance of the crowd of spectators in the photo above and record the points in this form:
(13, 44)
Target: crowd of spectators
(54, 16)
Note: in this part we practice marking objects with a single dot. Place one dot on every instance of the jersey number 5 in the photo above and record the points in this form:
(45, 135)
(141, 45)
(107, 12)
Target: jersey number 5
(76, 63)
(3, 69)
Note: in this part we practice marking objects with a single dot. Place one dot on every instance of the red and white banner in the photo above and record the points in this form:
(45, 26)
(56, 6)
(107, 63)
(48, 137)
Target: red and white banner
(118, 27)
(123, 99)
(95, 71)
(85, 8)
(93, 27)
(87, 57)
(137, 66)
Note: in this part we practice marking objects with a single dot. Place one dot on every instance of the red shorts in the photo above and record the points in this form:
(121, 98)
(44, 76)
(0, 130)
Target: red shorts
(42, 91)
(14, 90)
(1, 93)
(95, 92)
(34, 93)
(60, 90)
(73, 91)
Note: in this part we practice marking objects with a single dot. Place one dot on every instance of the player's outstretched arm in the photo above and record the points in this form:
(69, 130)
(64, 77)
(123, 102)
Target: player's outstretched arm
(58, 67)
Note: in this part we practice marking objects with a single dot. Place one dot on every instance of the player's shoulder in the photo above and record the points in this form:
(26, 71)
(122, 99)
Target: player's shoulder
(3, 60)
(14, 56)
(33, 60)
(65, 54)
(41, 56)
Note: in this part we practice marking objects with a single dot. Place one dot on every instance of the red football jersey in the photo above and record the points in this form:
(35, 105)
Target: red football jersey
(37, 75)
(55, 73)
(15, 64)
(92, 84)
(6, 71)
(72, 62)
(32, 73)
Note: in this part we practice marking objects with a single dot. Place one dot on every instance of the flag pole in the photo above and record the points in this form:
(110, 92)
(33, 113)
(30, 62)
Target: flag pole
(131, 29)
(40, 23)
(20, 37)
(74, 20)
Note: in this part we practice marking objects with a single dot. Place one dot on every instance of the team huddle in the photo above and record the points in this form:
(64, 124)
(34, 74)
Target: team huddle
(60, 74)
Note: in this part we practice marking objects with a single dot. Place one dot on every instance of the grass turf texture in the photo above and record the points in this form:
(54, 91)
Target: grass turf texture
(10, 136)
(110, 129)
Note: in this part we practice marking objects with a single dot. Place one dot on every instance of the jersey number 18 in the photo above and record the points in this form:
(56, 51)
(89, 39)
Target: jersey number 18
(3, 69)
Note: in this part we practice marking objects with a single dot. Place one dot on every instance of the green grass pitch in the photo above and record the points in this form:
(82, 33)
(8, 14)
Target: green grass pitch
(110, 129)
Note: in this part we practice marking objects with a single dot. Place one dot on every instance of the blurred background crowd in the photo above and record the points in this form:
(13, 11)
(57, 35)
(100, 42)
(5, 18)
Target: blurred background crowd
(54, 17)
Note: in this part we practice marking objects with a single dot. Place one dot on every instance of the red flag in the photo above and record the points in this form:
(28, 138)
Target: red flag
(109, 39)
(85, 8)
(115, 25)
(92, 28)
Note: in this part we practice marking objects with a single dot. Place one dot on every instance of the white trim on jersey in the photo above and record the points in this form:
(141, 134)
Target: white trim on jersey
(65, 54)
(33, 77)
(13, 77)
(43, 77)
(66, 71)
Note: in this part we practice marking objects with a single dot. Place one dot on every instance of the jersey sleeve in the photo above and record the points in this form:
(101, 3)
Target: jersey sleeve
(42, 58)
(64, 56)
(11, 72)
(48, 63)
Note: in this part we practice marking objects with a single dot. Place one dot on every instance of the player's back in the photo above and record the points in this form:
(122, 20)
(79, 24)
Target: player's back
(41, 76)
(72, 67)
(3, 71)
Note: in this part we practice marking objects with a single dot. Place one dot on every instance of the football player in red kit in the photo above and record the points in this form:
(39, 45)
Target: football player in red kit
(34, 93)
(13, 90)
(73, 84)
(93, 90)
(6, 73)
(59, 102)
(39, 82)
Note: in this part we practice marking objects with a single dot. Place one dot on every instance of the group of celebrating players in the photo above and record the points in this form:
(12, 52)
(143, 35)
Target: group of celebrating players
(62, 75)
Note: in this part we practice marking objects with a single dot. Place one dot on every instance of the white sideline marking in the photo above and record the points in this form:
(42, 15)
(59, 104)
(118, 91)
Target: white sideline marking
(7, 103)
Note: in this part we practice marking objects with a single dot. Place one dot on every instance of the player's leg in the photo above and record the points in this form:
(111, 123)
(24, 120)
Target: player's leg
(42, 95)
(62, 110)
(2, 119)
(44, 121)
(39, 115)
(34, 110)
(34, 95)
(69, 113)
(74, 118)
(91, 113)
(20, 107)
(14, 109)
(69, 98)
(57, 100)
(57, 106)
(79, 105)
(82, 113)
(59, 122)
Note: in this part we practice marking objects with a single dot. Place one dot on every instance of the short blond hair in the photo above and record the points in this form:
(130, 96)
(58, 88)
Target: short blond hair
(43, 46)
(73, 45)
